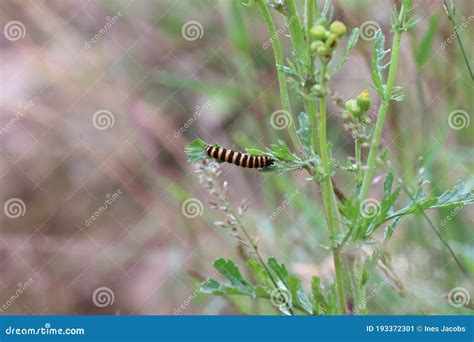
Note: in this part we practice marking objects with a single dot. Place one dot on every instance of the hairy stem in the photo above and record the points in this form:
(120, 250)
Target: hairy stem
(329, 199)
(358, 160)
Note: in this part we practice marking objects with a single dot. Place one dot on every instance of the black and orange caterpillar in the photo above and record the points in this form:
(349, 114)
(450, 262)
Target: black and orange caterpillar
(238, 158)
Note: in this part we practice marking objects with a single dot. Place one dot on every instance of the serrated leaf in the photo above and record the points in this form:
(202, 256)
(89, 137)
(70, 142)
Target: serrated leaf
(385, 208)
(229, 270)
(279, 270)
(458, 196)
(195, 150)
(351, 42)
(397, 94)
(214, 287)
(298, 296)
(377, 60)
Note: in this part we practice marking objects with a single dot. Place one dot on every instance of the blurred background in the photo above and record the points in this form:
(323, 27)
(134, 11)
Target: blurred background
(98, 100)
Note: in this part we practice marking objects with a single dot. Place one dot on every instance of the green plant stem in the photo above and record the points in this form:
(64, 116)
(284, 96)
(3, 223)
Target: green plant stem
(310, 105)
(450, 12)
(309, 15)
(358, 160)
(382, 112)
(329, 199)
(285, 99)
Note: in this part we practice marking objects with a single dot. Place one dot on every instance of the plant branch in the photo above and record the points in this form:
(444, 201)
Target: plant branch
(285, 99)
(382, 112)
(330, 205)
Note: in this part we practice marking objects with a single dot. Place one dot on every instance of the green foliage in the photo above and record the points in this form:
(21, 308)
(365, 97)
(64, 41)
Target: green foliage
(351, 43)
(318, 303)
(460, 195)
(378, 65)
(353, 219)
(195, 150)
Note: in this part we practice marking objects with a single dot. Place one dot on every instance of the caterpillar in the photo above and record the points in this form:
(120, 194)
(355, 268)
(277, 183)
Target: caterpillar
(238, 158)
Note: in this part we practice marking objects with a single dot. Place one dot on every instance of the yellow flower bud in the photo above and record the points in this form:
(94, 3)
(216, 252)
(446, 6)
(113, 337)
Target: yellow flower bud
(363, 101)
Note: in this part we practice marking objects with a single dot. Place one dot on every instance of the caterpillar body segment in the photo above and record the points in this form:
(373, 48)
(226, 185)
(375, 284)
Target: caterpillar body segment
(238, 158)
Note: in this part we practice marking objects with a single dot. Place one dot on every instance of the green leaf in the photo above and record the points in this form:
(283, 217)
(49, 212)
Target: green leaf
(424, 49)
(259, 273)
(297, 294)
(460, 195)
(391, 228)
(304, 131)
(195, 150)
(351, 42)
(214, 287)
(279, 270)
(377, 62)
(397, 94)
(229, 270)
(318, 299)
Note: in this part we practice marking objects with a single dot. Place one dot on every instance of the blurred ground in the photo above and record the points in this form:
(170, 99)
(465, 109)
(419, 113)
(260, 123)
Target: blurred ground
(99, 98)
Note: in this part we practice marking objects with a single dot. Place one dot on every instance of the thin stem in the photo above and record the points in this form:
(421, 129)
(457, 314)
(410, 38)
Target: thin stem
(330, 205)
(450, 12)
(252, 243)
(285, 99)
(310, 105)
(358, 161)
(382, 112)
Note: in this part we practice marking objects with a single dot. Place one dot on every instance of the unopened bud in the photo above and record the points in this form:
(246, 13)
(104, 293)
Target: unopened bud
(363, 101)
(338, 28)
(318, 32)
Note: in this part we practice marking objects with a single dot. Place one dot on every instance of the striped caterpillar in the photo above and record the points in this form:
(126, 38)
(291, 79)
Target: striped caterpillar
(238, 158)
